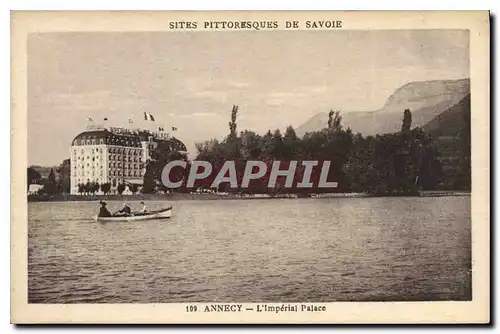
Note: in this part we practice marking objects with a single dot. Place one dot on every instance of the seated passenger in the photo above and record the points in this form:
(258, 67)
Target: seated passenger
(125, 211)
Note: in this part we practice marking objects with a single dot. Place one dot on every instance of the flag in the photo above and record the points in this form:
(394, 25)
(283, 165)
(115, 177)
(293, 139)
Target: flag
(90, 119)
(130, 120)
(105, 118)
(148, 117)
(174, 128)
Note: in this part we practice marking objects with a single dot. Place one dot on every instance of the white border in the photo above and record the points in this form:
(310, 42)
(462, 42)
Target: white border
(190, 5)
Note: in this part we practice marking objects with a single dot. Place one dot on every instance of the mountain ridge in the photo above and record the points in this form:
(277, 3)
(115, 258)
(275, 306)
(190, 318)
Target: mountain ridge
(425, 99)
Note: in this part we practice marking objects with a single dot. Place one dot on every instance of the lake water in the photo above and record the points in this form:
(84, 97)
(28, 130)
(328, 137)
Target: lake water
(283, 250)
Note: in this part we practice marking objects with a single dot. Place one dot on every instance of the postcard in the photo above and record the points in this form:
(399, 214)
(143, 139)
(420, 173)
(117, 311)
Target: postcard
(251, 167)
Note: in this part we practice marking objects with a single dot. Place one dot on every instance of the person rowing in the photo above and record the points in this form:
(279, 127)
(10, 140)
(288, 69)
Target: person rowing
(143, 208)
(103, 211)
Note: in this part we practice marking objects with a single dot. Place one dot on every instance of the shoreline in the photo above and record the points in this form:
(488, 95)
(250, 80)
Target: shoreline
(190, 197)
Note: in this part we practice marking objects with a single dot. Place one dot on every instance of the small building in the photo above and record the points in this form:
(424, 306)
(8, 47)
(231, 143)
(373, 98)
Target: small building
(33, 189)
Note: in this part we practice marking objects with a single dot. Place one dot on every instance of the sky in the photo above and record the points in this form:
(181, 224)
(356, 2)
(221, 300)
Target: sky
(191, 80)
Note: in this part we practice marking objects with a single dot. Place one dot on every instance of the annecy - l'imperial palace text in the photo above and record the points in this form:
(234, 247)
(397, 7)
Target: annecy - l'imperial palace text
(114, 155)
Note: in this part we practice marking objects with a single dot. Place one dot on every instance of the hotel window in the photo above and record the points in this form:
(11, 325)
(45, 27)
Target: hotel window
(101, 142)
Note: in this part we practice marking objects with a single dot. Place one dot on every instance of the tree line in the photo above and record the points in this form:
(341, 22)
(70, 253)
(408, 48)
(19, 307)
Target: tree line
(53, 185)
(399, 163)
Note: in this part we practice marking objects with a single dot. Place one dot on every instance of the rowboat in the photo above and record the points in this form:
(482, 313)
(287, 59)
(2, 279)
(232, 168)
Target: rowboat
(159, 214)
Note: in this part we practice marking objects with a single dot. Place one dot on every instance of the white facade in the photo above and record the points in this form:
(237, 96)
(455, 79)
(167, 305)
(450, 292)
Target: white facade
(97, 160)
(112, 156)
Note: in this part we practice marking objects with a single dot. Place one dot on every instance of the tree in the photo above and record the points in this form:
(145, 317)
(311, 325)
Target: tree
(250, 145)
(163, 152)
(406, 126)
(120, 188)
(33, 176)
(95, 187)
(233, 143)
(277, 145)
(105, 188)
(81, 188)
(134, 188)
(334, 120)
(88, 187)
(149, 179)
(232, 123)
(291, 145)
(51, 187)
(266, 143)
(64, 171)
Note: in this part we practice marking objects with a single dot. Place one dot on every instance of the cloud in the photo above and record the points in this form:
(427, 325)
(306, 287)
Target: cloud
(216, 96)
(90, 101)
(199, 114)
(295, 96)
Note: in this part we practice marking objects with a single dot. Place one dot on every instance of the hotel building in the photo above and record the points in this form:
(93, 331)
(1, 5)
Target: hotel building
(113, 155)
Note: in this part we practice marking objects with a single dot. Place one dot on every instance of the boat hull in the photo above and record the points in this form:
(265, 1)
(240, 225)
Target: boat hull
(161, 214)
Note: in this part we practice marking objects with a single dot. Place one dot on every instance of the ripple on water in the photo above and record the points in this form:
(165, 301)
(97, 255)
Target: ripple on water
(286, 250)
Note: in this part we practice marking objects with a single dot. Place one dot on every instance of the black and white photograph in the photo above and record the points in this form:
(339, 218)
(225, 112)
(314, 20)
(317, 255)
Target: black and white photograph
(258, 165)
